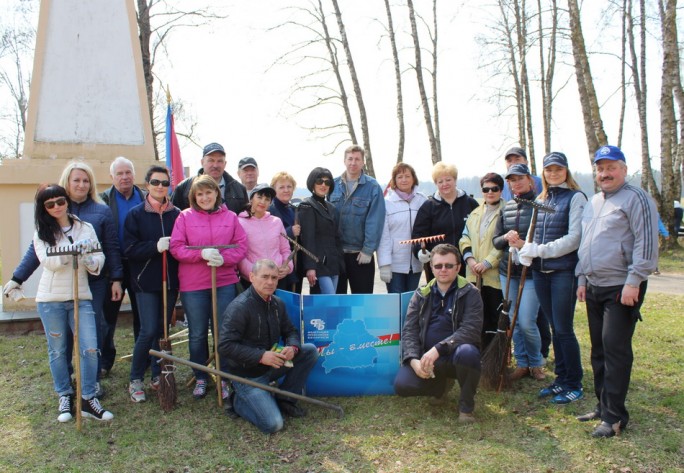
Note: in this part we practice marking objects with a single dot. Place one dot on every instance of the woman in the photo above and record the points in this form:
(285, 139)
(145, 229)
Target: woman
(444, 213)
(281, 207)
(481, 258)
(399, 268)
(147, 233)
(510, 233)
(55, 227)
(556, 240)
(320, 234)
(207, 224)
(264, 234)
(79, 181)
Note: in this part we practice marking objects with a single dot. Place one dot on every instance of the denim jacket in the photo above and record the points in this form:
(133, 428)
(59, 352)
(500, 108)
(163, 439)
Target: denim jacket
(362, 214)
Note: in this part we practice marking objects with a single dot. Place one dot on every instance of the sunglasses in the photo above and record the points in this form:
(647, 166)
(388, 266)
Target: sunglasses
(487, 190)
(439, 266)
(59, 202)
(320, 181)
(156, 182)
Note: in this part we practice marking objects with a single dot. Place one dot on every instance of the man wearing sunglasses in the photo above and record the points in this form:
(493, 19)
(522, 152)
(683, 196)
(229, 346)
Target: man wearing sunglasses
(121, 197)
(440, 339)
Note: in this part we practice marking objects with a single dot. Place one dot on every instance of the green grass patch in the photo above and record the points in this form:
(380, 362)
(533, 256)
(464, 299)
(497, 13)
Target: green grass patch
(516, 432)
(672, 260)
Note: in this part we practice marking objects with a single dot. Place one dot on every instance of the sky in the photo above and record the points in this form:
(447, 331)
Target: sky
(224, 74)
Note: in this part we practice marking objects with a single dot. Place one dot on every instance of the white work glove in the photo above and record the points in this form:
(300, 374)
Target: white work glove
(522, 259)
(209, 253)
(215, 260)
(163, 244)
(84, 246)
(386, 273)
(514, 255)
(530, 250)
(424, 256)
(363, 258)
(12, 290)
(89, 262)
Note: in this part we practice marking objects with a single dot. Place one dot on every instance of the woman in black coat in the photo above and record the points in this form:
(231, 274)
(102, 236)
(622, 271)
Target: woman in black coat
(320, 233)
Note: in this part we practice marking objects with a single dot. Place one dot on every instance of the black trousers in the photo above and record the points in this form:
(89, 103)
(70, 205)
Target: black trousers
(361, 277)
(611, 327)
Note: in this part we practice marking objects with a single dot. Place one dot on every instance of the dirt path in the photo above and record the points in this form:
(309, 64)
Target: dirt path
(666, 283)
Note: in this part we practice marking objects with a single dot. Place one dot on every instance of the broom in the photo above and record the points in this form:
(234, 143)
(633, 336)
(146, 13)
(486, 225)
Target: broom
(495, 353)
(167, 386)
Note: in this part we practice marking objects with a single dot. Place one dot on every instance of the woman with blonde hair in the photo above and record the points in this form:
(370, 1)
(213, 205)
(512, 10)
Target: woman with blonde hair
(399, 267)
(281, 206)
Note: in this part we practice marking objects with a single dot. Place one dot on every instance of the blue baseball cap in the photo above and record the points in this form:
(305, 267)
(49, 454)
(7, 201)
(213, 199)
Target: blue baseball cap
(213, 148)
(557, 158)
(612, 153)
(518, 170)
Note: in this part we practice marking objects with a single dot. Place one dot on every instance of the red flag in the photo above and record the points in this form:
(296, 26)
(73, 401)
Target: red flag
(173, 155)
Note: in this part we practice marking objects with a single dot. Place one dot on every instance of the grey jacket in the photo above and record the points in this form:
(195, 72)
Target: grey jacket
(619, 238)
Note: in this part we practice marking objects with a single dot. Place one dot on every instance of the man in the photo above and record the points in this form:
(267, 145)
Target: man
(440, 339)
(360, 203)
(248, 172)
(121, 197)
(513, 156)
(214, 164)
(618, 251)
(253, 325)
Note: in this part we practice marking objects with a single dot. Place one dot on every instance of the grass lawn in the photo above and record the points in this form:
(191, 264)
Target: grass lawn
(516, 432)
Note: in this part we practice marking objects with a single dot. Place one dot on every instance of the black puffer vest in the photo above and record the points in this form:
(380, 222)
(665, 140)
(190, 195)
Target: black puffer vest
(552, 226)
(516, 217)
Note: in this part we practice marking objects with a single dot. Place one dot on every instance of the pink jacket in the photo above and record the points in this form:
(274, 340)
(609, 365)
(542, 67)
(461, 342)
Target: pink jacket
(263, 241)
(199, 228)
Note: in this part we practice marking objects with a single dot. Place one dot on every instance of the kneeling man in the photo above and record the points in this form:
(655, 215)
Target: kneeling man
(441, 336)
(253, 324)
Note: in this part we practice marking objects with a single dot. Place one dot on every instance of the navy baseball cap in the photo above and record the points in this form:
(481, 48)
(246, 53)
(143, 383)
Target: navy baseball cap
(556, 158)
(612, 153)
(213, 148)
(247, 162)
(516, 150)
(518, 170)
(262, 189)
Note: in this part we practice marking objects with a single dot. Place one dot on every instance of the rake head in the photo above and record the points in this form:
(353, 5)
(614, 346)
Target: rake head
(535, 205)
(427, 239)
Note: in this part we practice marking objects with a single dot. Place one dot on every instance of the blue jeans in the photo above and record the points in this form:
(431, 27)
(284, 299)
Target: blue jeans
(151, 307)
(401, 283)
(557, 294)
(198, 313)
(58, 322)
(260, 407)
(328, 284)
(526, 338)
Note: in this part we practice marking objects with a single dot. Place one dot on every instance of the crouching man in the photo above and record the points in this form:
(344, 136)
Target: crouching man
(254, 323)
(441, 336)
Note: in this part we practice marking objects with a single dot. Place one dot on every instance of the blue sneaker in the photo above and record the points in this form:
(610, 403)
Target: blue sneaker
(566, 397)
(550, 390)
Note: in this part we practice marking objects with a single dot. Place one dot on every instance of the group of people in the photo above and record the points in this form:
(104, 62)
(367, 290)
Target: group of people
(242, 239)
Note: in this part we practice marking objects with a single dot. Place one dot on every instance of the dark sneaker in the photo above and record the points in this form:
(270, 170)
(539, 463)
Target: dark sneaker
(291, 410)
(466, 418)
(566, 397)
(593, 415)
(65, 408)
(606, 430)
(91, 408)
(200, 389)
(550, 390)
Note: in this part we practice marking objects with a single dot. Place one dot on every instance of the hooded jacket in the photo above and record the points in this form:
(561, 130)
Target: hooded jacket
(264, 240)
(466, 314)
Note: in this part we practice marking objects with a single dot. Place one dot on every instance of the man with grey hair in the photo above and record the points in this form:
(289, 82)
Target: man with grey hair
(618, 251)
(259, 342)
(121, 197)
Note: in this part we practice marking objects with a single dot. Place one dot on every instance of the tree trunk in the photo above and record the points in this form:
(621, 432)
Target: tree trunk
(434, 149)
(547, 70)
(435, 107)
(397, 77)
(145, 33)
(357, 90)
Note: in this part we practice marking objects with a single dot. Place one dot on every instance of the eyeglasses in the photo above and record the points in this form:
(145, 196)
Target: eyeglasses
(320, 181)
(59, 202)
(439, 266)
(156, 182)
(487, 190)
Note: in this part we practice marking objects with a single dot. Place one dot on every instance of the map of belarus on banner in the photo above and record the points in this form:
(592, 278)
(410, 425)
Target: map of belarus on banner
(358, 339)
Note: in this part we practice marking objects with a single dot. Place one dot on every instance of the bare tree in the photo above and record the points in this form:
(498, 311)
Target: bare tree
(593, 125)
(547, 67)
(427, 113)
(397, 78)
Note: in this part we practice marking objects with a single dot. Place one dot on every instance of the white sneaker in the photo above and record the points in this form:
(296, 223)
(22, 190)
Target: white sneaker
(65, 408)
(137, 390)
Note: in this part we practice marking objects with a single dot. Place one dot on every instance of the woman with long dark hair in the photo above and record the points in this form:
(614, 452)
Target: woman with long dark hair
(55, 227)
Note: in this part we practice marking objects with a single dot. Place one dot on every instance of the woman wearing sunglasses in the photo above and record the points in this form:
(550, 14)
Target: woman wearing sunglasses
(482, 259)
(147, 233)
(56, 228)
(399, 267)
(320, 234)
(554, 249)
